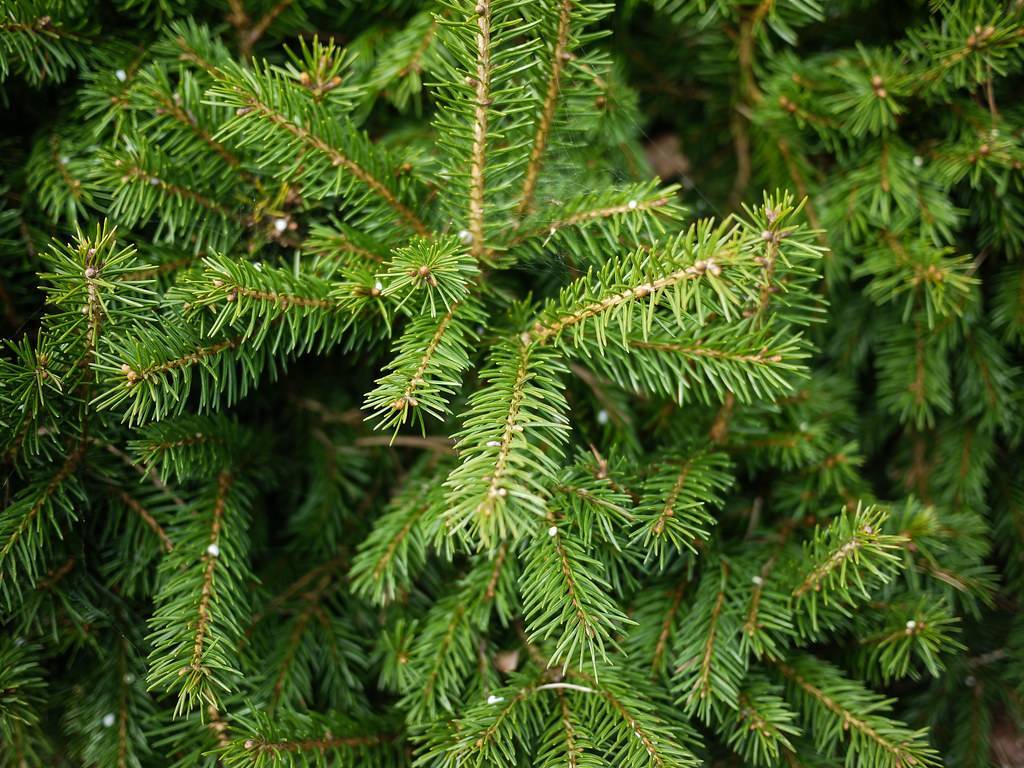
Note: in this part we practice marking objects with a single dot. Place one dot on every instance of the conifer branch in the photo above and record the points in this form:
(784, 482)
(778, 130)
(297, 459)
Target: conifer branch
(184, 118)
(559, 55)
(667, 623)
(482, 86)
(871, 735)
(563, 591)
(339, 159)
(322, 745)
(573, 750)
(197, 622)
(131, 172)
(844, 558)
(130, 502)
(132, 376)
(673, 510)
(511, 426)
(25, 519)
(542, 333)
(224, 482)
(497, 487)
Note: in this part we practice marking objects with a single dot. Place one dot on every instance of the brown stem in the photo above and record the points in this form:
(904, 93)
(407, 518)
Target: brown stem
(224, 481)
(65, 470)
(318, 745)
(495, 489)
(438, 444)
(339, 159)
(147, 518)
(540, 140)
(666, 624)
(850, 721)
(591, 215)
(480, 116)
(541, 333)
(704, 678)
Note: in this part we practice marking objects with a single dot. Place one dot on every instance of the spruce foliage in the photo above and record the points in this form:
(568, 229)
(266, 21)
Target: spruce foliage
(368, 400)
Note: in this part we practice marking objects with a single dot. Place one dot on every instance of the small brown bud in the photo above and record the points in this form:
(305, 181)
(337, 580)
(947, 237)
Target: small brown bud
(249, 744)
(507, 661)
(91, 272)
(984, 150)
(600, 102)
(424, 270)
(881, 93)
(304, 78)
(232, 296)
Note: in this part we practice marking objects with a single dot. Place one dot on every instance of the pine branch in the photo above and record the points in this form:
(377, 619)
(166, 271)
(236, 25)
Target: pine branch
(672, 513)
(23, 688)
(484, 733)
(197, 622)
(483, 115)
(47, 503)
(482, 86)
(635, 731)
(339, 160)
(761, 728)
(559, 55)
(443, 655)
(709, 666)
(565, 595)
(396, 548)
(302, 739)
(837, 710)
(844, 561)
(518, 416)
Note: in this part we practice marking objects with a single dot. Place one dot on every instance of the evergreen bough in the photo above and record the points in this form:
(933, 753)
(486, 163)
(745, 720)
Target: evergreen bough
(379, 408)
